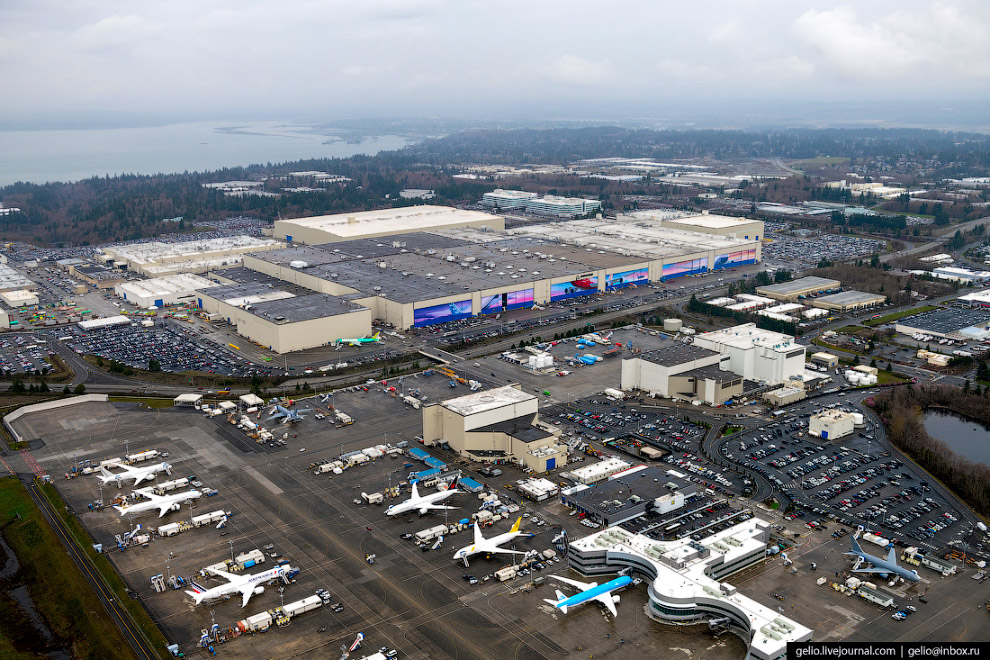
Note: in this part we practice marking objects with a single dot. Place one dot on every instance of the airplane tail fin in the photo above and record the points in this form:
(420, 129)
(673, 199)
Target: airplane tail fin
(377, 335)
(557, 603)
(453, 484)
(515, 527)
(196, 594)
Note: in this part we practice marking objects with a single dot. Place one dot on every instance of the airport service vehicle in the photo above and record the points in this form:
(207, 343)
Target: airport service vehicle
(164, 503)
(137, 474)
(424, 503)
(590, 591)
(490, 545)
(246, 585)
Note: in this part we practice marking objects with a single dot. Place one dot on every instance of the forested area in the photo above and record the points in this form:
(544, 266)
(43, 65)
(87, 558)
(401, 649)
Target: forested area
(127, 207)
(901, 410)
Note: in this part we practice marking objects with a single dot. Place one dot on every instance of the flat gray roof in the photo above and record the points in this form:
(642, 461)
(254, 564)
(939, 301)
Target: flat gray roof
(801, 284)
(851, 297)
(675, 353)
(303, 308)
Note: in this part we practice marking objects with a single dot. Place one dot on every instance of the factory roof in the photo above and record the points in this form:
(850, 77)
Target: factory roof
(409, 218)
(477, 402)
(982, 297)
(169, 284)
(612, 497)
(851, 298)
(712, 372)
(712, 221)
(799, 285)
(151, 252)
(249, 293)
(520, 428)
(675, 353)
(19, 294)
(748, 335)
(303, 308)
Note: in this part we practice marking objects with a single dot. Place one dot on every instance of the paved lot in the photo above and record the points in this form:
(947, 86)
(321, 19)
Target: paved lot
(411, 600)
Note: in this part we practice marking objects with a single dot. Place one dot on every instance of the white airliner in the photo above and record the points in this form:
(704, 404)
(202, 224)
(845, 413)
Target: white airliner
(246, 585)
(426, 502)
(137, 474)
(164, 503)
(491, 545)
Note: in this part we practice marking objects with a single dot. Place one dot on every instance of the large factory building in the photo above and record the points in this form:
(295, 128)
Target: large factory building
(494, 426)
(469, 269)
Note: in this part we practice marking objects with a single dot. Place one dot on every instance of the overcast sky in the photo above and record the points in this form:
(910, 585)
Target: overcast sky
(539, 58)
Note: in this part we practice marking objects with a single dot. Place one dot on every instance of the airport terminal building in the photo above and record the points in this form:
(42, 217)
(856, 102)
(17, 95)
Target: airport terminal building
(685, 580)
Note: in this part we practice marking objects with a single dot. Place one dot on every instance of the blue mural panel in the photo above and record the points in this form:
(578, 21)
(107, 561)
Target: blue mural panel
(684, 268)
(442, 313)
(733, 259)
(619, 280)
(582, 286)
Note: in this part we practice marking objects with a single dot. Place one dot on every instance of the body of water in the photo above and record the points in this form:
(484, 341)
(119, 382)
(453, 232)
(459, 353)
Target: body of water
(70, 155)
(963, 435)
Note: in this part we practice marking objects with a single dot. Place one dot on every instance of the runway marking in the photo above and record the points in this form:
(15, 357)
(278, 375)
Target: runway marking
(263, 480)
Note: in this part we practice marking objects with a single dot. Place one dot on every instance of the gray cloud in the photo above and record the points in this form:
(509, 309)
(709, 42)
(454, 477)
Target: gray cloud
(389, 57)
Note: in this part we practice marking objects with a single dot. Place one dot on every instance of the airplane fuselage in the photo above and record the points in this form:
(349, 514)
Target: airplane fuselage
(595, 592)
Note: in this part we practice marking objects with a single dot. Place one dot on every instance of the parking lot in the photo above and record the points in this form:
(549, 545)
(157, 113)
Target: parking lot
(796, 252)
(22, 355)
(176, 350)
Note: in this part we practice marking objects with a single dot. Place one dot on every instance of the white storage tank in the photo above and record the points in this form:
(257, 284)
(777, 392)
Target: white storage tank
(672, 325)
(857, 419)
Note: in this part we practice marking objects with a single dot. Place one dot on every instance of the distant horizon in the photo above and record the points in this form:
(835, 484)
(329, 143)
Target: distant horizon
(961, 115)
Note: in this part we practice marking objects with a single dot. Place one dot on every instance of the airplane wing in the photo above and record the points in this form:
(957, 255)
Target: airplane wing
(423, 508)
(583, 586)
(247, 590)
(138, 478)
(506, 551)
(229, 577)
(874, 569)
(606, 600)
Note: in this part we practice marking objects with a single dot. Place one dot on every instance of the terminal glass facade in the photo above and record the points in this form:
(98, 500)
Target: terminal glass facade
(682, 268)
(619, 280)
(580, 287)
(733, 259)
(442, 313)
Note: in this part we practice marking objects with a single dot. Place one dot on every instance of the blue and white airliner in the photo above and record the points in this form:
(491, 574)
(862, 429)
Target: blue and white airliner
(590, 591)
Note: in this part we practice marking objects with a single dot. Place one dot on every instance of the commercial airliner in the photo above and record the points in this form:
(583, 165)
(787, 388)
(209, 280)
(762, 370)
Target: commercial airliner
(426, 502)
(246, 585)
(358, 341)
(491, 545)
(164, 503)
(590, 591)
(288, 416)
(137, 474)
(880, 566)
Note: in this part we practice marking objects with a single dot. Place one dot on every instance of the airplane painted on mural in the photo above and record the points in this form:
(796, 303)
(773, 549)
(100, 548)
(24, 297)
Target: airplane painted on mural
(360, 341)
(246, 585)
(585, 283)
(885, 567)
(424, 503)
(288, 416)
(164, 503)
(590, 591)
(491, 545)
(137, 474)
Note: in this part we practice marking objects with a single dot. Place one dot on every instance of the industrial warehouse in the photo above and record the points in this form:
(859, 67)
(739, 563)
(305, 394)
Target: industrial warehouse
(456, 264)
